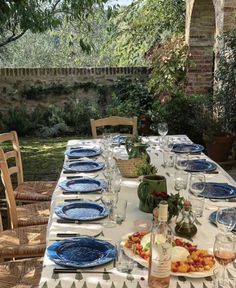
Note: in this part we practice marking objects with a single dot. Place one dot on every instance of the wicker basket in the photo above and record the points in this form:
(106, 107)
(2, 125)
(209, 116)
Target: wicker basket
(128, 168)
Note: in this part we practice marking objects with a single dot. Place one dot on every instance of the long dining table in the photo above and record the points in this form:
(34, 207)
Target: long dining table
(138, 277)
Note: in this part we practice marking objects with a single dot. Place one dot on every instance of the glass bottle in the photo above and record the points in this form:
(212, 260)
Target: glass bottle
(185, 226)
(160, 250)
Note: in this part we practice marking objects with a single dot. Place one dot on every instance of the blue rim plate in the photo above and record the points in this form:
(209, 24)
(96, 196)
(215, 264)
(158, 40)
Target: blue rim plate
(83, 166)
(212, 219)
(81, 211)
(119, 139)
(83, 185)
(73, 153)
(218, 191)
(187, 148)
(200, 165)
(81, 252)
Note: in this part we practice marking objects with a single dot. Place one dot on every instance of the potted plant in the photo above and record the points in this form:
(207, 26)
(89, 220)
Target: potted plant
(138, 156)
(218, 141)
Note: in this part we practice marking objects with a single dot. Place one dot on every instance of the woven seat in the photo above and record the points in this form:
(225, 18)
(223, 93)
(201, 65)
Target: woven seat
(113, 121)
(23, 242)
(35, 190)
(24, 215)
(21, 273)
(26, 191)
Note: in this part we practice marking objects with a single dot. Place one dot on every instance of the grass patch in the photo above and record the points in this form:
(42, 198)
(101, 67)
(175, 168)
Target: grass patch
(42, 158)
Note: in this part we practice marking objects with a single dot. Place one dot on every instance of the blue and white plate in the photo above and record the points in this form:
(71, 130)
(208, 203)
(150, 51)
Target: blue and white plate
(187, 148)
(81, 211)
(74, 153)
(119, 139)
(83, 185)
(83, 166)
(81, 252)
(218, 191)
(200, 165)
(212, 218)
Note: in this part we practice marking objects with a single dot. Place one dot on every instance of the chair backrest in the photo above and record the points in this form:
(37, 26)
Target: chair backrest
(113, 121)
(16, 167)
(6, 180)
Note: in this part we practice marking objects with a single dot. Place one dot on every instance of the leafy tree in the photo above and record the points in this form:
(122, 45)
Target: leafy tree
(19, 16)
(142, 24)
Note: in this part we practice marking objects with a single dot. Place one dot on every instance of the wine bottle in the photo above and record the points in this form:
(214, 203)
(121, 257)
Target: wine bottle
(160, 250)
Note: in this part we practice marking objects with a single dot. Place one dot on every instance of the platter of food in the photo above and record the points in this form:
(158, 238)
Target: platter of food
(187, 258)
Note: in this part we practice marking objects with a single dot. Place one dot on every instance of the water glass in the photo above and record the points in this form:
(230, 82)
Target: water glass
(181, 180)
(124, 264)
(109, 198)
(198, 204)
(119, 211)
(168, 159)
(181, 162)
(197, 183)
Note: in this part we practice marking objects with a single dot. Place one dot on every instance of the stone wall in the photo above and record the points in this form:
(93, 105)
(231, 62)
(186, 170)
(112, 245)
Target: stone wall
(31, 86)
(205, 20)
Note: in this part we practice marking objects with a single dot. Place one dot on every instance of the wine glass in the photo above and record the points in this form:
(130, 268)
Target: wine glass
(162, 129)
(109, 198)
(224, 252)
(226, 219)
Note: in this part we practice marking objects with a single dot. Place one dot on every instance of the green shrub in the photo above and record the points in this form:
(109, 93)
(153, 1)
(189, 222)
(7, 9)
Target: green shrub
(17, 119)
(130, 98)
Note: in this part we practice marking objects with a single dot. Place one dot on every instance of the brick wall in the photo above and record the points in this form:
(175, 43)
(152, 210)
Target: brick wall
(205, 20)
(15, 81)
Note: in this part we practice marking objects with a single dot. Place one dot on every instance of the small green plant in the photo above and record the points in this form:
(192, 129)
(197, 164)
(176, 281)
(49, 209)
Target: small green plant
(146, 169)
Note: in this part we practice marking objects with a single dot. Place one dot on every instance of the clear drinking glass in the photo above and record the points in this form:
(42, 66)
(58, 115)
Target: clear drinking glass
(124, 263)
(226, 219)
(181, 161)
(109, 199)
(224, 252)
(197, 183)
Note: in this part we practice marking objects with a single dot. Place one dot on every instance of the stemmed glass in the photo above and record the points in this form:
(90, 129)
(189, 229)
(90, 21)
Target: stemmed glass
(109, 198)
(224, 252)
(197, 185)
(226, 219)
(162, 129)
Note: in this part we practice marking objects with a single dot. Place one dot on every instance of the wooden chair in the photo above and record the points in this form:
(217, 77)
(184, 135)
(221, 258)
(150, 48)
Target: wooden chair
(21, 273)
(29, 191)
(113, 121)
(22, 242)
(24, 215)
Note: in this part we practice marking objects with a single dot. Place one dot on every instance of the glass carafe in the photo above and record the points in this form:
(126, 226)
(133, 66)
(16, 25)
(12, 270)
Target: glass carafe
(185, 226)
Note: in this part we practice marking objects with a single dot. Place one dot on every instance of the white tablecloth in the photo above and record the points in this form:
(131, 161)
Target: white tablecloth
(204, 238)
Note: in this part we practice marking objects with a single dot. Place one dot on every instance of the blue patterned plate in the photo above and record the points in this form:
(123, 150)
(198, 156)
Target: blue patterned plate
(79, 152)
(81, 252)
(81, 211)
(83, 185)
(187, 148)
(218, 191)
(83, 166)
(200, 165)
(119, 139)
(212, 218)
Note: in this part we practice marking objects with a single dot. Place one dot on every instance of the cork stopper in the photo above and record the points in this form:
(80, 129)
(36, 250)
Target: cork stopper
(163, 211)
